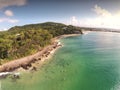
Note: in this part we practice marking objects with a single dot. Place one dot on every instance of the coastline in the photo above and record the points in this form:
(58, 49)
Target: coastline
(30, 63)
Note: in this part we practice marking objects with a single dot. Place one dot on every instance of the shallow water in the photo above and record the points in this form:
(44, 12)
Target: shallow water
(86, 62)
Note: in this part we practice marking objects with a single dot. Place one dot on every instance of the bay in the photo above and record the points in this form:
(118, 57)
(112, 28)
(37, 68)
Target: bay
(86, 62)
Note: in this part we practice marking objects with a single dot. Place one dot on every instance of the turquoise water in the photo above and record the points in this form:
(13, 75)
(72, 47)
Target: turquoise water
(86, 62)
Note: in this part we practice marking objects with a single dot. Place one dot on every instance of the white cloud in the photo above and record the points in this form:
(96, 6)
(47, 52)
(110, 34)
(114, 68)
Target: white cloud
(106, 18)
(8, 13)
(73, 20)
(12, 20)
(100, 11)
(7, 3)
(8, 20)
(103, 18)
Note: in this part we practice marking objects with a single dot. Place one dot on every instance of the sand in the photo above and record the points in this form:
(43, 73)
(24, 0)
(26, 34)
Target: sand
(31, 62)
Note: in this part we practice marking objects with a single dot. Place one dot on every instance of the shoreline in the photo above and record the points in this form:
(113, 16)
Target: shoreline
(30, 63)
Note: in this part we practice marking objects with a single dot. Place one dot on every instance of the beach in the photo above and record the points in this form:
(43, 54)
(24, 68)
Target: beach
(30, 63)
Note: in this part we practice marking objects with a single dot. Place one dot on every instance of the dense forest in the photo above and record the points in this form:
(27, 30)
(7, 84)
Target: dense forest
(20, 41)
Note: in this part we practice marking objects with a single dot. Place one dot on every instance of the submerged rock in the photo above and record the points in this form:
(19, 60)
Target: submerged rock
(6, 74)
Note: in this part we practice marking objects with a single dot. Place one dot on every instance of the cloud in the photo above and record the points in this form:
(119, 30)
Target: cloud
(8, 13)
(103, 18)
(7, 3)
(8, 20)
(73, 20)
(100, 11)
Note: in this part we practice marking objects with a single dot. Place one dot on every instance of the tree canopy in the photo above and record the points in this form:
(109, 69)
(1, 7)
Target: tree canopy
(20, 41)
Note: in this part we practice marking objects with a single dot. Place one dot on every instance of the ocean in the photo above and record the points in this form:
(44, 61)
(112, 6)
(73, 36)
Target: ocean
(86, 62)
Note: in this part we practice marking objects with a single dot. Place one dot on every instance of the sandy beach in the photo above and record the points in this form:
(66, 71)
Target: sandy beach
(31, 62)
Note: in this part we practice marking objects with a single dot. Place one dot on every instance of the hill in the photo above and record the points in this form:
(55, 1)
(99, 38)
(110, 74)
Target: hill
(20, 41)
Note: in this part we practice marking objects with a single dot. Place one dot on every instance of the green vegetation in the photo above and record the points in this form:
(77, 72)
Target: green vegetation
(20, 41)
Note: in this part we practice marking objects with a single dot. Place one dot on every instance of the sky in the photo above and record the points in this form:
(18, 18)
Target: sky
(84, 13)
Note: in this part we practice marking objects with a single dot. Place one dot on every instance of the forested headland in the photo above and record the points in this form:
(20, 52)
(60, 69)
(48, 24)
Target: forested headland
(20, 41)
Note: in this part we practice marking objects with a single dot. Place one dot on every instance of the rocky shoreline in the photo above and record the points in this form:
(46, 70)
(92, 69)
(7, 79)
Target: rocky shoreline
(26, 62)
(29, 62)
